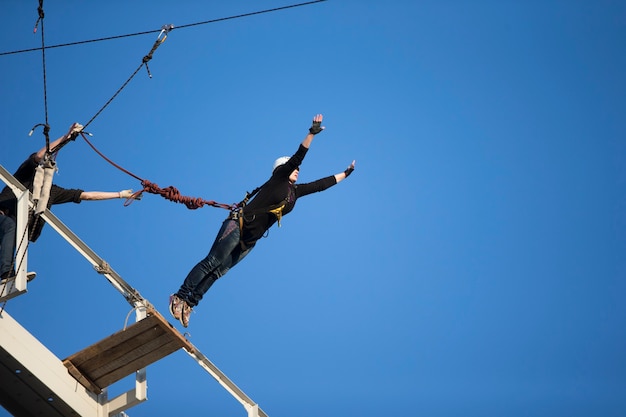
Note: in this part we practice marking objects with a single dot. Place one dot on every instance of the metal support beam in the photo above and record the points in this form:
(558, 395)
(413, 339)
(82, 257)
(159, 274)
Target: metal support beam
(251, 407)
(17, 286)
(38, 376)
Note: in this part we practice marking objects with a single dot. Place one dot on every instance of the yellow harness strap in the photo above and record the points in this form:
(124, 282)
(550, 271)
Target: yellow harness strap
(278, 212)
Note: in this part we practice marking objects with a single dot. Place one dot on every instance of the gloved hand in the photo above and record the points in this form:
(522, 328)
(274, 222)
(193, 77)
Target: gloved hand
(349, 170)
(128, 194)
(316, 127)
(75, 129)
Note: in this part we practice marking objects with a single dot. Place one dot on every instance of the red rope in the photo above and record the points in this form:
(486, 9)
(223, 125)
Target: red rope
(172, 194)
(169, 193)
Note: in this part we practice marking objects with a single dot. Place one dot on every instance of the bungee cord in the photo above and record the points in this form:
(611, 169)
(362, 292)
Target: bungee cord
(169, 193)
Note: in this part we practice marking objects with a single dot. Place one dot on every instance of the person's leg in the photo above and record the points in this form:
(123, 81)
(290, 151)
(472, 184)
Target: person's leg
(235, 257)
(7, 244)
(203, 274)
(182, 310)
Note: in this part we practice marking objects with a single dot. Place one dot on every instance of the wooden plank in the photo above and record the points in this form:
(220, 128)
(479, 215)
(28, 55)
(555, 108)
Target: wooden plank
(171, 329)
(112, 341)
(125, 352)
(84, 381)
(107, 380)
(126, 347)
(130, 357)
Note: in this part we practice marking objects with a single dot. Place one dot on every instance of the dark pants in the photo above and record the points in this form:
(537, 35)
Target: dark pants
(225, 253)
(7, 243)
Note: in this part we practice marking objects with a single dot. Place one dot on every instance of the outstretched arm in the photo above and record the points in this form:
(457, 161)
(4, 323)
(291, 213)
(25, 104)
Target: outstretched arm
(315, 128)
(343, 175)
(107, 195)
(71, 134)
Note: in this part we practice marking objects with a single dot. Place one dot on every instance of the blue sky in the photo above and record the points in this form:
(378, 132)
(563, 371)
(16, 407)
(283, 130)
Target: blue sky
(473, 264)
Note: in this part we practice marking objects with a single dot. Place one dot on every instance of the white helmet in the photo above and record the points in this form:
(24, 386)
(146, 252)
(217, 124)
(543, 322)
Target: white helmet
(280, 161)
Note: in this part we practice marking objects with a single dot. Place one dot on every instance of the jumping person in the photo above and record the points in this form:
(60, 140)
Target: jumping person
(241, 230)
(25, 174)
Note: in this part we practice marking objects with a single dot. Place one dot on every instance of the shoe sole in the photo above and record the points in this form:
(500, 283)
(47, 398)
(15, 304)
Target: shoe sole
(172, 308)
(29, 277)
(185, 325)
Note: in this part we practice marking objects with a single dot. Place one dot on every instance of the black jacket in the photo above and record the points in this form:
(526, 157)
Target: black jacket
(276, 191)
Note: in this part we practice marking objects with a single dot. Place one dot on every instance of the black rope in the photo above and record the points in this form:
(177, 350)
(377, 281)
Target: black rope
(40, 18)
(221, 19)
(164, 31)
(251, 14)
(114, 95)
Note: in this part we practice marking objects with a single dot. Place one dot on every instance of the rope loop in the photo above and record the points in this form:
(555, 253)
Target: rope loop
(46, 133)
(41, 15)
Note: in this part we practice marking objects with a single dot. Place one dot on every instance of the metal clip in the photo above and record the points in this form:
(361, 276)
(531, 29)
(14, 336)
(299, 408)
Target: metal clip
(165, 29)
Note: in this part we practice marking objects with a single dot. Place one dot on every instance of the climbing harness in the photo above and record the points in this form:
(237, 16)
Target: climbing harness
(239, 214)
(278, 212)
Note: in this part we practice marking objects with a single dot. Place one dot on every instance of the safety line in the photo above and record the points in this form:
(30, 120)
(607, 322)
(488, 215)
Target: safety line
(40, 18)
(221, 19)
(160, 39)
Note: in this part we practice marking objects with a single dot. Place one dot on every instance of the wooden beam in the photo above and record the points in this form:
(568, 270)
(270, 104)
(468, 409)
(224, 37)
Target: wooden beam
(125, 352)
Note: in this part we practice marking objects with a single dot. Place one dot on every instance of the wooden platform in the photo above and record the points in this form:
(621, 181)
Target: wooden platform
(125, 352)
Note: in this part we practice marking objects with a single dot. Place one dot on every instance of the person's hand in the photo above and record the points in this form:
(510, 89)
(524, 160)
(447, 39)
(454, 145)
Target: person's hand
(128, 194)
(75, 129)
(349, 170)
(316, 127)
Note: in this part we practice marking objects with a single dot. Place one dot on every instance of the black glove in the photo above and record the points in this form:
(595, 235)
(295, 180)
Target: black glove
(315, 128)
(349, 170)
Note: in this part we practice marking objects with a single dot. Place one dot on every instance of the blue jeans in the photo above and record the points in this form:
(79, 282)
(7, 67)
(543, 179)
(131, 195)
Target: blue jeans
(225, 253)
(7, 243)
